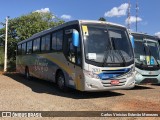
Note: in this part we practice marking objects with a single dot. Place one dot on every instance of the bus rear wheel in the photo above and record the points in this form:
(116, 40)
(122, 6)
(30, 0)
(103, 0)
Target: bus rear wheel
(61, 81)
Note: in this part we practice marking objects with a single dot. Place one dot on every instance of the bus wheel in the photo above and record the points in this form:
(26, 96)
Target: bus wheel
(61, 81)
(27, 73)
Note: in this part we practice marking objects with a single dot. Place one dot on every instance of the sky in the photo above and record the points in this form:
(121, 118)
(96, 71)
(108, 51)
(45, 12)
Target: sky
(112, 10)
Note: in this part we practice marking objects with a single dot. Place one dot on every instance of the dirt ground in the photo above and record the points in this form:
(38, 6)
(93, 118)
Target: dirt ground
(19, 94)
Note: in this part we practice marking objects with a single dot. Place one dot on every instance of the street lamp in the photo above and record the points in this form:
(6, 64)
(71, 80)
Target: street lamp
(5, 54)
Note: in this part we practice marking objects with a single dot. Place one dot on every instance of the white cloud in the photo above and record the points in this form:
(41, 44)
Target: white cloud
(117, 11)
(157, 34)
(43, 10)
(133, 19)
(67, 17)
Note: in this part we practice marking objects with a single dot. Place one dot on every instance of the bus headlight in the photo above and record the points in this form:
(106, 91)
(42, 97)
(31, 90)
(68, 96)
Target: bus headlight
(91, 74)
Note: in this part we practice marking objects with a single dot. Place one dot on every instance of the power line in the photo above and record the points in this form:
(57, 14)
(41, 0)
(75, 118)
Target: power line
(137, 8)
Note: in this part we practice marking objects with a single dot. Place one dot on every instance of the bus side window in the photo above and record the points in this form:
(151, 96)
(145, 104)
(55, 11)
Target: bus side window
(23, 48)
(54, 41)
(45, 43)
(59, 40)
(36, 45)
(29, 47)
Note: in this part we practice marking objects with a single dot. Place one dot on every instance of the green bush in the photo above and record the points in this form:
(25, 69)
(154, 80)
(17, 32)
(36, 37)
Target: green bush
(11, 66)
(1, 57)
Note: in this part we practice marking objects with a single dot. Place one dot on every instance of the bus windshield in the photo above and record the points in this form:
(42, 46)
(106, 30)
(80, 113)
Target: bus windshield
(108, 44)
(147, 52)
(154, 49)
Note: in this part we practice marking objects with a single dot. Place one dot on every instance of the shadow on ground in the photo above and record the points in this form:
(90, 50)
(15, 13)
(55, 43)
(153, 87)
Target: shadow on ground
(140, 87)
(156, 84)
(41, 86)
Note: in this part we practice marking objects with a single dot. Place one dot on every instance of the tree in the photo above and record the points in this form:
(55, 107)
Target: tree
(25, 26)
(102, 19)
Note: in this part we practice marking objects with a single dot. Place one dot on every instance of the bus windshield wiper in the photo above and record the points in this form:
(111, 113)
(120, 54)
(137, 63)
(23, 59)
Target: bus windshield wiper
(124, 62)
(113, 56)
(118, 51)
(108, 48)
(112, 53)
(108, 53)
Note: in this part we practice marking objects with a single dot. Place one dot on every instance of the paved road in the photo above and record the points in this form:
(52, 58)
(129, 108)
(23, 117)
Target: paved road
(18, 94)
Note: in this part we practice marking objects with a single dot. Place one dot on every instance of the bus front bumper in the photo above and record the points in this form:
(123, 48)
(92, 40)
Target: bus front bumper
(92, 84)
(147, 79)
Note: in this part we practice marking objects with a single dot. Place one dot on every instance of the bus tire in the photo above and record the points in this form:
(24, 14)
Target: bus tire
(61, 83)
(27, 76)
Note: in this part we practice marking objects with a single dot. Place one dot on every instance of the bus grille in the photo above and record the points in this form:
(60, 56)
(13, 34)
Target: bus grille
(107, 83)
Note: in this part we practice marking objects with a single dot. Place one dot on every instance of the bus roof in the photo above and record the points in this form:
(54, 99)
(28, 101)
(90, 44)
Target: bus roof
(66, 24)
(142, 34)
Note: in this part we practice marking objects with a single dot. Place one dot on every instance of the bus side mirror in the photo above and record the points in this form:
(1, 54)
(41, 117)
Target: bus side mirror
(132, 40)
(75, 38)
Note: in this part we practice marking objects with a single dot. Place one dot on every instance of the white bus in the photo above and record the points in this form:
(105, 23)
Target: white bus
(81, 54)
(147, 58)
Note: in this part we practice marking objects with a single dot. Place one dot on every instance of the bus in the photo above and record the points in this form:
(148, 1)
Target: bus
(147, 58)
(82, 54)
(158, 39)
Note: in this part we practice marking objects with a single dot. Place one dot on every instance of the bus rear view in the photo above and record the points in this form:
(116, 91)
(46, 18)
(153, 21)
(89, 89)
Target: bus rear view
(147, 59)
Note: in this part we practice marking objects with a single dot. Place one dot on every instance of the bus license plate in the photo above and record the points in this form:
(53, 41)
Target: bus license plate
(114, 82)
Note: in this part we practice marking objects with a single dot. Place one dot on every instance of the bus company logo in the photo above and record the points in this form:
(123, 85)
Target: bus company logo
(96, 70)
(6, 114)
(41, 65)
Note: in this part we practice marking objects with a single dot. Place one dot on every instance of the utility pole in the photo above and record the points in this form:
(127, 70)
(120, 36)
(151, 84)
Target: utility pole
(5, 54)
(129, 14)
(136, 15)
